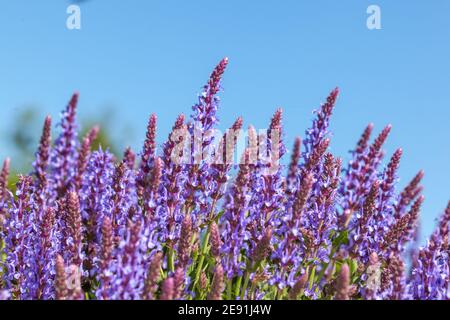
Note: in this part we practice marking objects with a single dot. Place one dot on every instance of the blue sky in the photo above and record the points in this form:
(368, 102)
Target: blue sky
(139, 57)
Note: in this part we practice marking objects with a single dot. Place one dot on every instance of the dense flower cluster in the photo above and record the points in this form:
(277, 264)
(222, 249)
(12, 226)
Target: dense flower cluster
(86, 225)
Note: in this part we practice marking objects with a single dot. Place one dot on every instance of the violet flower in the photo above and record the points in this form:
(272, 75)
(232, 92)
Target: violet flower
(65, 151)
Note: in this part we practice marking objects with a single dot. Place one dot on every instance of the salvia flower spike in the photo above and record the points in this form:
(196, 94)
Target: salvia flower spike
(189, 221)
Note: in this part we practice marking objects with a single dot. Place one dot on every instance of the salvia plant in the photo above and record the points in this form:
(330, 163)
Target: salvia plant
(196, 219)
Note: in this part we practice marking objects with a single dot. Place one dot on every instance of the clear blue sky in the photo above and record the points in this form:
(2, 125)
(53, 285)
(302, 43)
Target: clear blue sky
(145, 56)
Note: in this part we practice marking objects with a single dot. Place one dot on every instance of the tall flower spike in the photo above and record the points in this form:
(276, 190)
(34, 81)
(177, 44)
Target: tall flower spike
(184, 247)
(316, 155)
(64, 155)
(319, 130)
(217, 284)
(364, 221)
(83, 156)
(391, 169)
(430, 269)
(343, 283)
(129, 278)
(148, 155)
(390, 175)
(60, 279)
(46, 251)
(124, 199)
(199, 183)
(302, 195)
(355, 176)
(19, 226)
(4, 174)
(43, 154)
(106, 256)
(387, 195)
(179, 278)
(409, 194)
(96, 198)
(215, 241)
(151, 192)
(234, 221)
(153, 275)
(292, 177)
(214, 79)
(173, 176)
(369, 203)
(129, 158)
(224, 158)
(262, 249)
(298, 287)
(173, 140)
(375, 152)
(402, 230)
(74, 229)
(275, 134)
(397, 270)
(362, 172)
(4, 177)
(364, 140)
(168, 289)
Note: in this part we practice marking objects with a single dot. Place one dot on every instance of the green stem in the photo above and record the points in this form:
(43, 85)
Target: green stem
(311, 277)
(170, 260)
(252, 290)
(202, 258)
(238, 286)
(244, 287)
(229, 288)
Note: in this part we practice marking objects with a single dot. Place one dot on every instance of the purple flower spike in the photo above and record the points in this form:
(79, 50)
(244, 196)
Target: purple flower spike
(129, 157)
(83, 157)
(147, 156)
(343, 283)
(96, 199)
(60, 279)
(106, 256)
(319, 130)
(124, 199)
(215, 241)
(200, 184)
(74, 231)
(17, 232)
(153, 275)
(409, 194)
(65, 151)
(217, 285)
(4, 193)
(129, 269)
(299, 287)
(43, 154)
(46, 250)
(184, 222)
(292, 177)
(184, 246)
(168, 289)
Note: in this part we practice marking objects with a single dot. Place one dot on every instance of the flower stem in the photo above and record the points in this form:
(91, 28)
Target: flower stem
(244, 287)
(198, 271)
